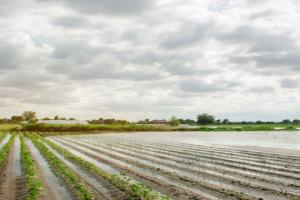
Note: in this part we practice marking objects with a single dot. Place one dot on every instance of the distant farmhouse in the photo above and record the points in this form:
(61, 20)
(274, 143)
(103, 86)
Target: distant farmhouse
(81, 122)
(159, 121)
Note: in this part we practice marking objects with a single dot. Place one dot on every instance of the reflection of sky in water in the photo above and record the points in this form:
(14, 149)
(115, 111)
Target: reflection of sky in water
(278, 139)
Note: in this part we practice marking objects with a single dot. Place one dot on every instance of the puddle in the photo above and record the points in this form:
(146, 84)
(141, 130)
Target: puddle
(5, 140)
(17, 164)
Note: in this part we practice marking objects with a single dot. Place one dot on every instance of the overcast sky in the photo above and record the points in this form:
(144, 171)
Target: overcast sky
(137, 59)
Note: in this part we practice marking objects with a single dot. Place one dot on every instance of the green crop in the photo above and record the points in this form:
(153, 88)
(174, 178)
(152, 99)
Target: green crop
(34, 185)
(5, 150)
(61, 170)
(123, 182)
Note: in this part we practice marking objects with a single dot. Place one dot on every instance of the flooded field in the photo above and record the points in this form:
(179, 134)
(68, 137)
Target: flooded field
(181, 165)
(191, 165)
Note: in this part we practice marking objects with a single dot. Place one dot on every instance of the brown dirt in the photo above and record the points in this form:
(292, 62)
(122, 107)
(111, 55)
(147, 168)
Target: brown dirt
(20, 188)
(7, 187)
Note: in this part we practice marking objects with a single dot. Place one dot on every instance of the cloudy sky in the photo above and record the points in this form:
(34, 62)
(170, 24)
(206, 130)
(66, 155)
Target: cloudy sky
(136, 59)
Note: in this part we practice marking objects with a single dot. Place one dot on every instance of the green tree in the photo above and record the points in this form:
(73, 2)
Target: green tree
(205, 119)
(30, 116)
(174, 121)
(286, 121)
(296, 121)
(226, 121)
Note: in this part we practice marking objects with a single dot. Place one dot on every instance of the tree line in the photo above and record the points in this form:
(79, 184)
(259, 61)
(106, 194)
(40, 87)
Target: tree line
(201, 119)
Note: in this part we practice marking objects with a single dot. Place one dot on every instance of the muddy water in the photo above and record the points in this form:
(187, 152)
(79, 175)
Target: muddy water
(278, 146)
(17, 165)
(59, 190)
(98, 164)
(89, 178)
(140, 170)
(5, 140)
(199, 179)
(276, 139)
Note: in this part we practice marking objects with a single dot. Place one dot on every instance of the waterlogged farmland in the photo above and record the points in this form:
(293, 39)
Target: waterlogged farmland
(191, 165)
(151, 166)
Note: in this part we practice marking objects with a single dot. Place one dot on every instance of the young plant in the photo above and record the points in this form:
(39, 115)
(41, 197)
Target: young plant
(125, 183)
(34, 185)
(61, 170)
(5, 150)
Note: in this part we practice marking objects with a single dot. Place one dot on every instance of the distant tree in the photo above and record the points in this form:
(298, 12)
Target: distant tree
(259, 122)
(17, 118)
(225, 121)
(205, 119)
(218, 121)
(30, 116)
(72, 119)
(46, 118)
(174, 121)
(56, 117)
(286, 121)
(296, 121)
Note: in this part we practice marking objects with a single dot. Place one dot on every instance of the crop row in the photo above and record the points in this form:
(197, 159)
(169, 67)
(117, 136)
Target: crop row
(125, 183)
(203, 167)
(162, 184)
(245, 156)
(218, 160)
(137, 155)
(2, 136)
(169, 172)
(34, 185)
(5, 150)
(62, 171)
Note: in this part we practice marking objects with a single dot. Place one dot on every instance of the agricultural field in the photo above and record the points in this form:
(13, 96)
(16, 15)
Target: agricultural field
(150, 166)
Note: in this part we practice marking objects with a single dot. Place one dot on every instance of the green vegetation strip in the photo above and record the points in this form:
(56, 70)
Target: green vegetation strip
(61, 170)
(34, 185)
(2, 136)
(5, 150)
(94, 127)
(123, 182)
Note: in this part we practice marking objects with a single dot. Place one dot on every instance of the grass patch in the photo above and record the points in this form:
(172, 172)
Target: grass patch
(9, 127)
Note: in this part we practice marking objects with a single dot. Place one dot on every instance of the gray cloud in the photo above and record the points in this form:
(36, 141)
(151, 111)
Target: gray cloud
(262, 14)
(188, 34)
(196, 86)
(289, 83)
(111, 7)
(258, 40)
(288, 60)
(11, 55)
(71, 21)
(261, 89)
